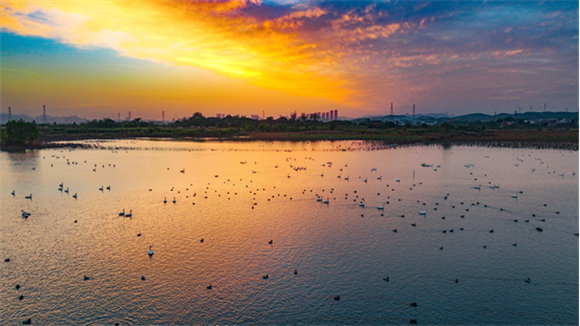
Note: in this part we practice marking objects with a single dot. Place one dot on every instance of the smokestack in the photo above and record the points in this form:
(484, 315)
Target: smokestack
(44, 112)
(391, 108)
(118, 115)
(531, 108)
(162, 116)
(9, 113)
(129, 115)
(413, 111)
(545, 104)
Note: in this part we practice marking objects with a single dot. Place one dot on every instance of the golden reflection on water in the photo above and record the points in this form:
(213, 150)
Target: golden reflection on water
(239, 196)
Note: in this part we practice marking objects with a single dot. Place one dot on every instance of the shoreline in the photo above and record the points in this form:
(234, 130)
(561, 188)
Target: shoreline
(547, 139)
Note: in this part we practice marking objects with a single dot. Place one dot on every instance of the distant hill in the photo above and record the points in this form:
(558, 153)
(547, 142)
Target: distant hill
(402, 117)
(526, 116)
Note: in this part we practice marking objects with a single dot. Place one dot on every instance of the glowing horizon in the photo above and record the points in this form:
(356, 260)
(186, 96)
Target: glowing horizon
(245, 57)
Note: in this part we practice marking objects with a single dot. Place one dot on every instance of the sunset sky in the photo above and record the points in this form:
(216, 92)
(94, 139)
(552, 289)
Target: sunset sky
(97, 58)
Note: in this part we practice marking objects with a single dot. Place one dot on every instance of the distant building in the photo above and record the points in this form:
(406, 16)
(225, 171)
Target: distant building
(255, 117)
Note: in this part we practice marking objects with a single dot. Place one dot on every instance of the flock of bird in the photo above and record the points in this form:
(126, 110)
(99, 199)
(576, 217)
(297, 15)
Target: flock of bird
(389, 197)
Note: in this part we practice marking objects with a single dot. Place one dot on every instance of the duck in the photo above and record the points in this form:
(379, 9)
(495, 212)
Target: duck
(28, 197)
(129, 214)
(122, 213)
(25, 214)
(150, 253)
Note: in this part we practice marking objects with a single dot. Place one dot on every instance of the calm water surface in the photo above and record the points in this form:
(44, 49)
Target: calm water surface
(238, 197)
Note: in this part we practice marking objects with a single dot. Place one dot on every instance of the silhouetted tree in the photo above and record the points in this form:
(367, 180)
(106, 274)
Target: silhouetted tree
(19, 132)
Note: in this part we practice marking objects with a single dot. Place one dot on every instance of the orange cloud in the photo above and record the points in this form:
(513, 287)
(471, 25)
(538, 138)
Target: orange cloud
(205, 34)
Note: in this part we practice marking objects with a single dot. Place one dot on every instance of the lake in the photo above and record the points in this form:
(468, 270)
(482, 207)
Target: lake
(466, 235)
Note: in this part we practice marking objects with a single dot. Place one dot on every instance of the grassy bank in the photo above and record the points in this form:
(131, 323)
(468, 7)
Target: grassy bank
(242, 129)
